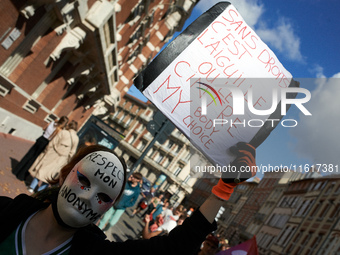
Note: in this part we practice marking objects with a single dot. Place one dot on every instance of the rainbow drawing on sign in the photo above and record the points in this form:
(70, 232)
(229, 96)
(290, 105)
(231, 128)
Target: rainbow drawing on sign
(213, 90)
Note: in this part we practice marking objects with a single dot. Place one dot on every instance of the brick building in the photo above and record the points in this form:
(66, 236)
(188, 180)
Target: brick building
(76, 58)
(289, 213)
(277, 210)
(250, 212)
(313, 223)
(226, 223)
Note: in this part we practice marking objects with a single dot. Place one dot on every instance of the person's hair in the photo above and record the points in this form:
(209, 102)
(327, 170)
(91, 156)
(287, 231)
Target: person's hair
(72, 125)
(180, 209)
(60, 125)
(62, 122)
(81, 153)
(138, 176)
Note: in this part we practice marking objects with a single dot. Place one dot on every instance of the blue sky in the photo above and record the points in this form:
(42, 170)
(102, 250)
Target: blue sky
(305, 36)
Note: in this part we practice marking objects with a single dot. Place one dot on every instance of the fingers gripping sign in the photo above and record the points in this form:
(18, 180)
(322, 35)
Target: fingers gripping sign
(244, 163)
(241, 169)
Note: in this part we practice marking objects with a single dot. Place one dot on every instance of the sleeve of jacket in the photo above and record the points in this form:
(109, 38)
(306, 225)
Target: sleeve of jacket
(75, 141)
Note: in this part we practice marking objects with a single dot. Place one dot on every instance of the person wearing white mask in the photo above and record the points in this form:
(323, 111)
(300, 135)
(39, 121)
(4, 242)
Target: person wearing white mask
(62, 223)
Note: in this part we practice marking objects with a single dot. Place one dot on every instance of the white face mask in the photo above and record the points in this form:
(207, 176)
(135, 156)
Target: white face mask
(90, 189)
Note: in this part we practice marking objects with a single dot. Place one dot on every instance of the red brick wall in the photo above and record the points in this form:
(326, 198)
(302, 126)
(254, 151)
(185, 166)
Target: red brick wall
(31, 72)
(67, 105)
(127, 6)
(81, 116)
(56, 89)
(14, 102)
(10, 18)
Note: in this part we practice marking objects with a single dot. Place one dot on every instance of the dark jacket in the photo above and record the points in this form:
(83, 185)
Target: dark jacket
(184, 239)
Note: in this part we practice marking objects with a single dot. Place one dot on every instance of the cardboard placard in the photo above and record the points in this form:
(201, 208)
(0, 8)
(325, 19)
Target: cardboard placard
(219, 83)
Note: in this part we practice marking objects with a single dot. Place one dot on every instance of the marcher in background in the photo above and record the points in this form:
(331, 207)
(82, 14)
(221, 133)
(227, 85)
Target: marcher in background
(153, 204)
(155, 222)
(209, 246)
(158, 212)
(190, 211)
(50, 131)
(224, 245)
(57, 154)
(144, 201)
(170, 218)
(148, 232)
(128, 199)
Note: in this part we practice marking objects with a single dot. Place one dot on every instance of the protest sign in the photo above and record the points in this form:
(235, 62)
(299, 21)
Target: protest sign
(219, 83)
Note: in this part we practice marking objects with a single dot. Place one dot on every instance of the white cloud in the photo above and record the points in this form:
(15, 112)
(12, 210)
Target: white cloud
(318, 136)
(318, 71)
(281, 37)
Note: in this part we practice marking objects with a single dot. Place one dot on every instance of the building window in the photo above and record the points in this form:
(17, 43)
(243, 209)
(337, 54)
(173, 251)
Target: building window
(122, 117)
(108, 33)
(284, 235)
(130, 162)
(304, 208)
(170, 144)
(300, 208)
(113, 116)
(5, 88)
(167, 186)
(148, 113)
(141, 145)
(303, 244)
(316, 186)
(337, 190)
(132, 139)
(150, 152)
(128, 121)
(186, 180)
(166, 163)
(329, 189)
(138, 11)
(295, 242)
(159, 158)
(314, 244)
(31, 106)
(178, 171)
(188, 156)
(335, 212)
(316, 209)
(140, 128)
(325, 209)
